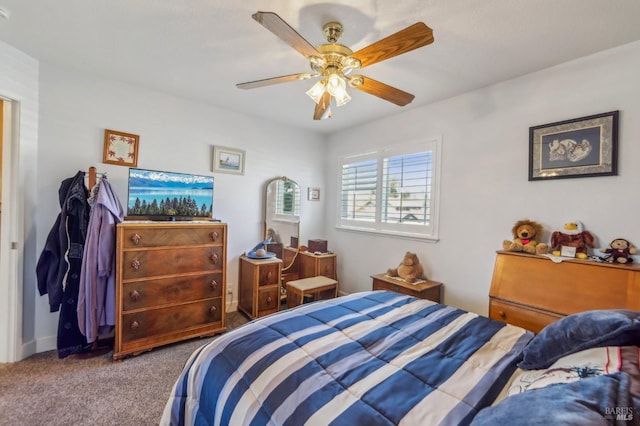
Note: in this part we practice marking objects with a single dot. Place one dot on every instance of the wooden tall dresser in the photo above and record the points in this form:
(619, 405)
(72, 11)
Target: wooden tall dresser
(171, 280)
(532, 291)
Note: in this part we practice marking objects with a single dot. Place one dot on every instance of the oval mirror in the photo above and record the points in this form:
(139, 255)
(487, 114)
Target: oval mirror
(282, 218)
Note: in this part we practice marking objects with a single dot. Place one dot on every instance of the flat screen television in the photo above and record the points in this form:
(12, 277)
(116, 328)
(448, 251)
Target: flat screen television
(159, 195)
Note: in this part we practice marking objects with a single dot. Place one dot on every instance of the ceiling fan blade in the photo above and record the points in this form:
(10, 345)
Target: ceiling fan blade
(279, 27)
(384, 91)
(273, 80)
(412, 37)
(323, 108)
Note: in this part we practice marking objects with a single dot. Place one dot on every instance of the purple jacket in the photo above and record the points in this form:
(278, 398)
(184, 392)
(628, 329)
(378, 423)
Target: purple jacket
(97, 297)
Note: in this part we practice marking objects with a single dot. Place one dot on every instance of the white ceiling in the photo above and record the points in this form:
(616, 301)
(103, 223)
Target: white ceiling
(199, 49)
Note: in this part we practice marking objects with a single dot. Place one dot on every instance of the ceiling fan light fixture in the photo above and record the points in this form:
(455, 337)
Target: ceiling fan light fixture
(349, 64)
(337, 87)
(342, 99)
(317, 90)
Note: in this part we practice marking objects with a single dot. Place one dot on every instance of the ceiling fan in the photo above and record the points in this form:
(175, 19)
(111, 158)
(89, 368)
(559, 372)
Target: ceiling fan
(334, 62)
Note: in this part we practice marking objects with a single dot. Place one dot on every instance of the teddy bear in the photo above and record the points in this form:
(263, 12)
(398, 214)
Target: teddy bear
(572, 235)
(619, 251)
(525, 233)
(410, 269)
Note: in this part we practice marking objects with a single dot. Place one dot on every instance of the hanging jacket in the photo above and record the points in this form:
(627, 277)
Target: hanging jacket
(96, 298)
(53, 265)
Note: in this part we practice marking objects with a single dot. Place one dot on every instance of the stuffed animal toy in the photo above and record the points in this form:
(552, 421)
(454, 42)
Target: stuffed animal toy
(572, 235)
(620, 251)
(409, 269)
(525, 233)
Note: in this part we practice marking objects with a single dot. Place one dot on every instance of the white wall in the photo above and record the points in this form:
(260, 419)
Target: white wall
(485, 168)
(485, 159)
(175, 135)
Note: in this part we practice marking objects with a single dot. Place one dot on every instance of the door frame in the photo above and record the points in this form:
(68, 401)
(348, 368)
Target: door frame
(11, 300)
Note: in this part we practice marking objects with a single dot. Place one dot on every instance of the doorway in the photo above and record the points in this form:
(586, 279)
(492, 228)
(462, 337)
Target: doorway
(10, 328)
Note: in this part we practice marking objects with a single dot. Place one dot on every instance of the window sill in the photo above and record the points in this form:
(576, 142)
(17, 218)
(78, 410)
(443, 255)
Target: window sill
(389, 234)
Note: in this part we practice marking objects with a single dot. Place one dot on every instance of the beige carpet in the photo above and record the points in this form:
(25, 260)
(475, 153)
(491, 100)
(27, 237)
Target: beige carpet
(45, 390)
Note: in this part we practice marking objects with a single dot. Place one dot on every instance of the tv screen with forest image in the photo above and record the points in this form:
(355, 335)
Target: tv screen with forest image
(167, 195)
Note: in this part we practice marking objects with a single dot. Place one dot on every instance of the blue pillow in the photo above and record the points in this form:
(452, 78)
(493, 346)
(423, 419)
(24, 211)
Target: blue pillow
(573, 333)
(597, 400)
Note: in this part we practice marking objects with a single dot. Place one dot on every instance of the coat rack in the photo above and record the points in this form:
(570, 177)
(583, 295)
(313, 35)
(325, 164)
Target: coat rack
(97, 349)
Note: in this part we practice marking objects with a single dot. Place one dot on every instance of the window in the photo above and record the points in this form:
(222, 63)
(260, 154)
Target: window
(392, 190)
(287, 199)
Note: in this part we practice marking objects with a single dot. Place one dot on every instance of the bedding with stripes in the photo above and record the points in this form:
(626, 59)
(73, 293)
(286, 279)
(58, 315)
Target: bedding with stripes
(371, 358)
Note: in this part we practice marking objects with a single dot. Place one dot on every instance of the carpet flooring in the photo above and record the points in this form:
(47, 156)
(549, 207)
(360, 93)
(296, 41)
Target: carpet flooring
(46, 390)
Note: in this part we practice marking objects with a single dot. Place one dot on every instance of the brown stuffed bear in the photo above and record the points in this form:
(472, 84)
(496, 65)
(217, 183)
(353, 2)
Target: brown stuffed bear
(524, 238)
(409, 270)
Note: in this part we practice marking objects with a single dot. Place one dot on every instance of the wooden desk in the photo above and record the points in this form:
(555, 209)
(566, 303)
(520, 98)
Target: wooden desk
(532, 291)
(431, 290)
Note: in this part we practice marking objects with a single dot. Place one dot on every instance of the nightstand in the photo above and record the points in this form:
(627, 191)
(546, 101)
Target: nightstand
(431, 290)
(259, 286)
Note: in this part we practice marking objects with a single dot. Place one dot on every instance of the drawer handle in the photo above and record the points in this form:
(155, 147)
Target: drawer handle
(269, 299)
(136, 239)
(269, 275)
(214, 258)
(212, 310)
(136, 264)
(213, 284)
(134, 295)
(502, 314)
(214, 236)
(135, 325)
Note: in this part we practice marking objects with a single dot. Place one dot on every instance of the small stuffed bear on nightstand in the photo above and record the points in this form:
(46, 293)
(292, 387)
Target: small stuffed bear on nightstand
(409, 269)
(619, 251)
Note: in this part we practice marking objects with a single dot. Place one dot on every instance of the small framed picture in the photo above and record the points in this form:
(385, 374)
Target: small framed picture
(120, 148)
(313, 194)
(228, 160)
(580, 147)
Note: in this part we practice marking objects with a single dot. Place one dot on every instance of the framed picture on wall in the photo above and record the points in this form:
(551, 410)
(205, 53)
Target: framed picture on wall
(120, 148)
(313, 194)
(228, 160)
(580, 147)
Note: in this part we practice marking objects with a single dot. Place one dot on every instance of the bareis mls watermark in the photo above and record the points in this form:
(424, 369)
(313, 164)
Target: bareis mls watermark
(618, 413)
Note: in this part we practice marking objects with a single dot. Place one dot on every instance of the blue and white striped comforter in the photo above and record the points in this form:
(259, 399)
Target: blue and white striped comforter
(372, 358)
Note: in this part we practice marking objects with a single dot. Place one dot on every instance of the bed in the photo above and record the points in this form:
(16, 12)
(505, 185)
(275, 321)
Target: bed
(382, 358)
(569, 355)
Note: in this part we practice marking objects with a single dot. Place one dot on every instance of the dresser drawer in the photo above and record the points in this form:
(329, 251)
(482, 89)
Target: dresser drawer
(150, 293)
(155, 322)
(268, 274)
(268, 301)
(327, 267)
(172, 236)
(150, 263)
(521, 316)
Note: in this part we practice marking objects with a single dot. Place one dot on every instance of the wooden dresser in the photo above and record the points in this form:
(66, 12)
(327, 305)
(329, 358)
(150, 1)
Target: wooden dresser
(431, 290)
(312, 265)
(171, 280)
(259, 286)
(532, 291)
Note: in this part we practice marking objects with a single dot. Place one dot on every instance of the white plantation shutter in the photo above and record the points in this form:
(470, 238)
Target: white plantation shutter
(287, 203)
(359, 187)
(406, 188)
(392, 191)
